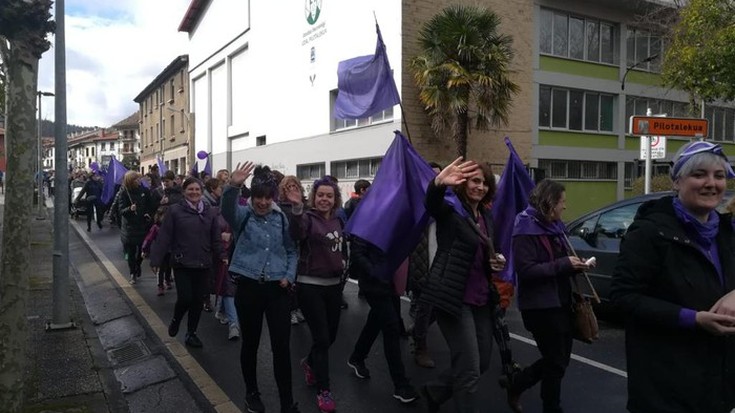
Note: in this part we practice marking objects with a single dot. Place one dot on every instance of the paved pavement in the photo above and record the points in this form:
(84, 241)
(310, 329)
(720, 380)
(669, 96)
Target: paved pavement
(595, 380)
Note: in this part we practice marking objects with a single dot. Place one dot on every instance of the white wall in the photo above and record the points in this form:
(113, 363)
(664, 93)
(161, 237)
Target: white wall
(261, 82)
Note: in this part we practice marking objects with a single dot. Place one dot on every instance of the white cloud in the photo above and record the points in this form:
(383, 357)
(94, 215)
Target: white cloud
(114, 48)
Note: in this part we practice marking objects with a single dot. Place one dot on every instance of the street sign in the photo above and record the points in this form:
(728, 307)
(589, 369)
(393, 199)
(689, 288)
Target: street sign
(652, 125)
(658, 147)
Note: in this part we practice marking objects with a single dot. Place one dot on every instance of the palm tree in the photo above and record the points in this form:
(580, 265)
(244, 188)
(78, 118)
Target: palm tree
(462, 74)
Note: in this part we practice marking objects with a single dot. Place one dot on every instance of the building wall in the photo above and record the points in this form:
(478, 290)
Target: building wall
(263, 85)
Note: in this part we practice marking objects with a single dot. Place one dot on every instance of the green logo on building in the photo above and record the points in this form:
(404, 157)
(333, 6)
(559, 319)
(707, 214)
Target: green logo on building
(312, 9)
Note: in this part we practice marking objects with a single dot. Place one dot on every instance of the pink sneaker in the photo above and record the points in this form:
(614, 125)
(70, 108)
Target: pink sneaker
(325, 402)
(308, 372)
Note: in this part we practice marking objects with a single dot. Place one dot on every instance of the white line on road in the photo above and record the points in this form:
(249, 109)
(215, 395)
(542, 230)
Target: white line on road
(583, 360)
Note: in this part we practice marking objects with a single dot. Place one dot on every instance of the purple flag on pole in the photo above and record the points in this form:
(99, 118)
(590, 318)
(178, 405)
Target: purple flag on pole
(115, 173)
(366, 85)
(392, 215)
(510, 199)
(208, 166)
(161, 166)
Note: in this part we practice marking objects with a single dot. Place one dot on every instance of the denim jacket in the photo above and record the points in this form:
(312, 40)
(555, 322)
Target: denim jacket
(264, 250)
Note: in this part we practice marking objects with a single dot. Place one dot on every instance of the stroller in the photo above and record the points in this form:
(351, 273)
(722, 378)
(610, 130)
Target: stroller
(77, 208)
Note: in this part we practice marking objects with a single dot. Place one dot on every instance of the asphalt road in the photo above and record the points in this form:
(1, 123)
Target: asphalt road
(595, 380)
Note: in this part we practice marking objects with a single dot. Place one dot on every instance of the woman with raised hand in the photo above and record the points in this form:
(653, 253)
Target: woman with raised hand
(458, 285)
(263, 266)
(674, 282)
(322, 259)
(190, 235)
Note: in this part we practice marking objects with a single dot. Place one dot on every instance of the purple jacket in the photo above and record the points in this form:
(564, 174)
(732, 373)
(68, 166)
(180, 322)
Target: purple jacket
(193, 239)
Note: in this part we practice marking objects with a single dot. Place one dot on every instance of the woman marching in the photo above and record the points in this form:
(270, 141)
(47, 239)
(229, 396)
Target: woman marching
(135, 210)
(544, 265)
(673, 280)
(264, 267)
(322, 258)
(191, 234)
(458, 284)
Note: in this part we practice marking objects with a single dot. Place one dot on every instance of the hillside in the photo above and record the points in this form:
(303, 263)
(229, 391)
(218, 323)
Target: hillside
(47, 128)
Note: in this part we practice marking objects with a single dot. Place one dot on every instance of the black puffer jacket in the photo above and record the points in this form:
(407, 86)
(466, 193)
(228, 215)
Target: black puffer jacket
(457, 245)
(368, 264)
(134, 224)
(671, 368)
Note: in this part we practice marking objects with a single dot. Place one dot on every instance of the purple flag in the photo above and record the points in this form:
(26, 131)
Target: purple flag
(161, 166)
(392, 215)
(195, 170)
(366, 85)
(510, 199)
(208, 166)
(115, 173)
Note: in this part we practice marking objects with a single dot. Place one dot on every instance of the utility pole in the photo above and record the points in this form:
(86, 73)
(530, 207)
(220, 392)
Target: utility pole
(61, 318)
(41, 215)
(647, 179)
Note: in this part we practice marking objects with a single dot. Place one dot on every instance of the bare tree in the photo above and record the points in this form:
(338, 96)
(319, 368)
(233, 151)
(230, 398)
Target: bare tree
(24, 25)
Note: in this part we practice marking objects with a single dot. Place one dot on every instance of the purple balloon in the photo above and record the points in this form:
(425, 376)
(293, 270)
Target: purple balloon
(202, 155)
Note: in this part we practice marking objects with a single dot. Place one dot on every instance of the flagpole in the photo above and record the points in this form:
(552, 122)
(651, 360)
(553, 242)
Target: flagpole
(405, 123)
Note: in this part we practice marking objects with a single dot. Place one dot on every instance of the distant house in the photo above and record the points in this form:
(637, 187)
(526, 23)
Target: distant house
(128, 137)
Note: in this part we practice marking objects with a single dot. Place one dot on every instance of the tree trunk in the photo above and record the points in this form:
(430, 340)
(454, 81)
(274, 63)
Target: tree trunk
(20, 142)
(460, 135)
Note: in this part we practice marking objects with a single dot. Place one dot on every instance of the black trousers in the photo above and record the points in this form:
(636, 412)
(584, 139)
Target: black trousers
(190, 282)
(96, 210)
(321, 308)
(383, 318)
(164, 271)
(253, 300)
(133, 255)
(551, 328)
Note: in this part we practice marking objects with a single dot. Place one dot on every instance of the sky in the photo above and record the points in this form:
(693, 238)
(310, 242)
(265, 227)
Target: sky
(113, 51)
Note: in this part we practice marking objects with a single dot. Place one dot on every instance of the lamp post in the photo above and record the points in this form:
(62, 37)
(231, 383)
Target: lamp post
(39, 177)
(633, 66)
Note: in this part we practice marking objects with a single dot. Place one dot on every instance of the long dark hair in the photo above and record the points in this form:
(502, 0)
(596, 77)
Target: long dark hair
(487, 173)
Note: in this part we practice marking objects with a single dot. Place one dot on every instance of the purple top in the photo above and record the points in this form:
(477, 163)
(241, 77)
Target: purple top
(477, 288)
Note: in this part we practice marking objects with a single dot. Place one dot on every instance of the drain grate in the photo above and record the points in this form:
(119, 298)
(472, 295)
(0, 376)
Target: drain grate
(130, 352)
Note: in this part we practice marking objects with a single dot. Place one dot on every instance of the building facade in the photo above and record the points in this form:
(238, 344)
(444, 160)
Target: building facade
(128, 141)
(264, 79)
(165, 124)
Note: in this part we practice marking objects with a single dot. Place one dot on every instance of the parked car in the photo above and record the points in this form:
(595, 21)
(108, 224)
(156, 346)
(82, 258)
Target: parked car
(598, 234)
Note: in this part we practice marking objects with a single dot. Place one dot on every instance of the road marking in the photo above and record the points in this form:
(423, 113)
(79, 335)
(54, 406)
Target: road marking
(206, 384)
(583, 360)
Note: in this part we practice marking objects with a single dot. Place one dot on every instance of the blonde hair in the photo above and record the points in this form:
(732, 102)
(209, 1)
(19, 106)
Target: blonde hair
(130, 179)
(282, 187)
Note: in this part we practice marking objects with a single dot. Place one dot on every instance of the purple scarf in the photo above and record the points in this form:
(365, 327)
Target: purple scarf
(198, 207)
(703, 233)
(532, 222)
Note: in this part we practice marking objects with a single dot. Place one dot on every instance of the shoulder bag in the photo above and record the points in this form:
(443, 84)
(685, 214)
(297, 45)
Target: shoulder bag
(585, 327)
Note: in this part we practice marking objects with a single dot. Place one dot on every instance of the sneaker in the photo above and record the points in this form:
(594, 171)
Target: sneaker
(406, 394)
(160, 291)
(309, 376)
(234, 332)
(219, 315)
(294, 319)
(325, 402)
(132, 278)
(193, 341)
(299, 315)
(173, 328)
(207, 305)
(253, 403)
(359, 368)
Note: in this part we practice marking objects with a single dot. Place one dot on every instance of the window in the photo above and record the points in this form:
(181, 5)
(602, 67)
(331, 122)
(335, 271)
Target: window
(171, 126)
(183, 115)
(103, 146)
(721, 123)
(638, 106)
(260, 141)
(355, 168)
(310, 171)
(575, 109)
(341, 124)
(643, 45)
(577, 37)
(579, 170)
(172, 90)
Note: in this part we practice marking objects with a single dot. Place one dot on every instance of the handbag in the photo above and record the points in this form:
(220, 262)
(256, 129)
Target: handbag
(584, 326)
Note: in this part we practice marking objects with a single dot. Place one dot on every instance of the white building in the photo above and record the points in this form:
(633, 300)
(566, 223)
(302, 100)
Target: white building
(263, 89)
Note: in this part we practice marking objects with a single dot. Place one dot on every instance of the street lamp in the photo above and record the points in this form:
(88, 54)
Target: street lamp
(636, 64)
(39, 177)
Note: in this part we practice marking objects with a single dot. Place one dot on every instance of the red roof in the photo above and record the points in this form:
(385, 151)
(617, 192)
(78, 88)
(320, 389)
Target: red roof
(193, 14)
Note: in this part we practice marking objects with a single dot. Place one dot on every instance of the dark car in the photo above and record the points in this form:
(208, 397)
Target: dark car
(598, 234)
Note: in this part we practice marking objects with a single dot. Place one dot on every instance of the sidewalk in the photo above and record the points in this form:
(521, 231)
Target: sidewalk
(109, 363)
